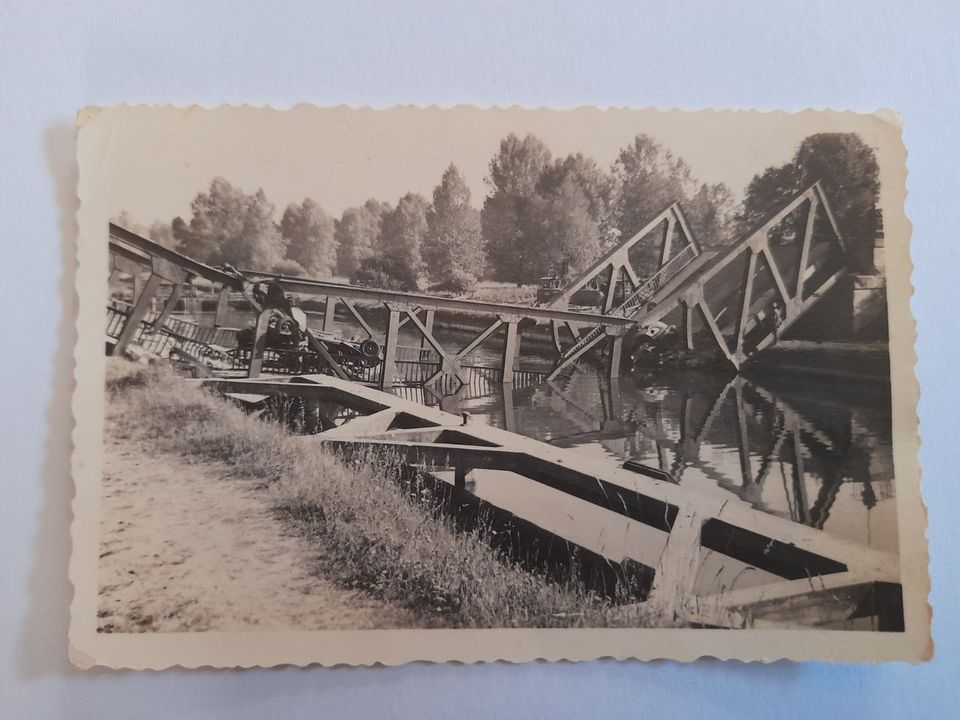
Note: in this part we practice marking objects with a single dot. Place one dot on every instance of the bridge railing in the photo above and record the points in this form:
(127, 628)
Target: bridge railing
(657, 281)
(636, 299)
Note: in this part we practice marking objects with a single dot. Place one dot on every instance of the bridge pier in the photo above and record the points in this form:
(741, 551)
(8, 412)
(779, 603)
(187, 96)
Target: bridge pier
(223, 307)
(616, 351)
(329, 314)
(510, 348)
(389, 374)
(259, 343)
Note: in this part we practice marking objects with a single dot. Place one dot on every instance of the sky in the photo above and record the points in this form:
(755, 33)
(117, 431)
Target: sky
(157, 159)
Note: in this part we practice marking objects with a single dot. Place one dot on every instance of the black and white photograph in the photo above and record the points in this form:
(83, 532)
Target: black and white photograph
(495, 370)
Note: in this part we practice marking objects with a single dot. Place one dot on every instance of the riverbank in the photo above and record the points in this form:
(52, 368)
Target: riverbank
(276, 520)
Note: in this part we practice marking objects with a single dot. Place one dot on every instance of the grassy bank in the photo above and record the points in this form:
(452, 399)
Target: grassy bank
(370, 534)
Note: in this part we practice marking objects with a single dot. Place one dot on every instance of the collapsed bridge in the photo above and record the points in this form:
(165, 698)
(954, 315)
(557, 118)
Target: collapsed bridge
(736, 301)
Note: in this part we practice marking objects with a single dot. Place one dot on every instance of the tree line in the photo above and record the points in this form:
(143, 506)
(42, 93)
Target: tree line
(542, 216)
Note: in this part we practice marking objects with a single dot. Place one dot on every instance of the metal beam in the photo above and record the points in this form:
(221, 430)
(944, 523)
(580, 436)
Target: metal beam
(329, 314)
(137, 314)
(747, 299)
(389, 373)
(167, 308)
(612, 257)
(717, 335)
(359, 318)
(448, 363)
(120, 235)
(480, 339)
(223, 307)
(805, 249)
(510, 352)
(431, 302)
(259, 343)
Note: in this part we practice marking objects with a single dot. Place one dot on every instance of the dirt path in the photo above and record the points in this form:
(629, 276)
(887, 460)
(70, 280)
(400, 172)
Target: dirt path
(189, 547)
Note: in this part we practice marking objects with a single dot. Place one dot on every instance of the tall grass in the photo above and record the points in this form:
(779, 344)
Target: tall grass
(372, 534)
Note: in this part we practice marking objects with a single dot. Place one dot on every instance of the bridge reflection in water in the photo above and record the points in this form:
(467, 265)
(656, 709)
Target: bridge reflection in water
(800, 453)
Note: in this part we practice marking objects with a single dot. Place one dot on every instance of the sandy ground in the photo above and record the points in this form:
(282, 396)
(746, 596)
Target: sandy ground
(188, 547)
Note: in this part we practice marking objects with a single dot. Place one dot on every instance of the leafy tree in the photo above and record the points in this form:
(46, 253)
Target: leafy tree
(513, 176)
(162, 234)
(848, 171)
(595, 186)
(517, 167)
(846, 168)
(401, 234)
(565, 235)
(229, 226)
(453, 246)
(766, 193)
(711, 214)
(309, 237)
(647, 179)
(375, 272)
(126, 221)
(357, 234)
(288, 267)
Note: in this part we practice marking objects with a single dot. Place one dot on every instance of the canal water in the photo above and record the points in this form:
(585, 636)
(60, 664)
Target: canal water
(802, 448)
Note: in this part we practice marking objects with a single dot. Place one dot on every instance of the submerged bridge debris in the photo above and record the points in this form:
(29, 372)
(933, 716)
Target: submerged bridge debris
(790, 574)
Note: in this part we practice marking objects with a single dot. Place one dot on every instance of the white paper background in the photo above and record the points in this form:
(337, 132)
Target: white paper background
(57, 57)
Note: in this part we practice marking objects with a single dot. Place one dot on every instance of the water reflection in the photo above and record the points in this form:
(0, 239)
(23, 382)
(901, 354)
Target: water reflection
(808, 451)
(801, 453)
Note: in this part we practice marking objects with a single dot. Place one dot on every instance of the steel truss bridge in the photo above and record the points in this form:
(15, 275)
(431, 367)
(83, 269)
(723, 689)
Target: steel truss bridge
(735, 302)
